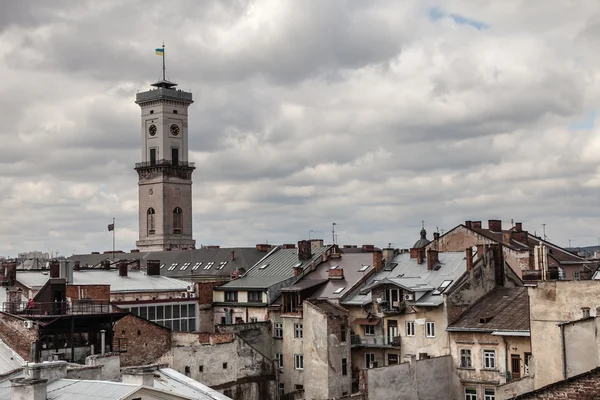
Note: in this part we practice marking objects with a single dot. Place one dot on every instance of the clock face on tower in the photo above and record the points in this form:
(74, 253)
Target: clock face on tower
(152, 130)
(174, 130)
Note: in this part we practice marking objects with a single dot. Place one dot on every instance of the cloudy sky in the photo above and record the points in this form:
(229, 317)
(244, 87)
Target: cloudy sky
(374, 115)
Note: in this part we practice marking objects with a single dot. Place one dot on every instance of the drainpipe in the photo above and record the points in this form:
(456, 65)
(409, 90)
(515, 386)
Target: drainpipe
(102, 341)
(506, 371)
(564, 351)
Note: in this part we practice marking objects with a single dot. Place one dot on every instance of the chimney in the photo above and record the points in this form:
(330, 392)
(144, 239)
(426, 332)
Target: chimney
(137, 265)
(521, 237)
(476, 225)
(495, 225)
(316, 243)
(336, 273)
(54, 269)
(77, 266)
(388, 254)
(506, 236)
(153, 267)
(123, 268)
(143, 377)
(420, 255)
(378, 260)
(304, 250)
(518, 226)
(480, 250)
(498, 264)
(106, 265)
(436, 235)
(49, 371)
(432, 259)
(324, 256)
(298, 271)
(469, 258)
(11, 273)
(28, 389)
(368, 248)
(263, 247)
(288, 246)
(468, 224)
(232, 255)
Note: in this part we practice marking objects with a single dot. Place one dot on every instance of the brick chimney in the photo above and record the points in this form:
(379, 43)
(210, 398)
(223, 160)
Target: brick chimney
(495, 225)
(123, 266)
(377, 260)
(468, 224)
(521, 237)
(297, 271)
(469, 258)
(420, 255)
(304, 250)
(476, 225)
(436, 236)
(289, 246)
(480, 250)
(518, 226)
(432, 259)
(337, 273)
(368, 248)
(498, 255)
(153, 267)
(263, 247)
(11, 273)
(232, 255)
(54, 269)
(28, 388)
(388, 254)
(316, 243)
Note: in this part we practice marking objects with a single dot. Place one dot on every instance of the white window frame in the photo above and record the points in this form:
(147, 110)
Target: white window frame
(369, 358)
(489, 394)
(489, 359)
(467, 357)
(232, 293)
(369, 330)
(430, 329)
(299, 361)
(298, 332)
(410, 328)
(278, 330)
(279, 358)
(470, 396)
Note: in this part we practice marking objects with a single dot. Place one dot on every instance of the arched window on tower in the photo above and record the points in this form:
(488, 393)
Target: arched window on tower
(177, 220)
(150, 220)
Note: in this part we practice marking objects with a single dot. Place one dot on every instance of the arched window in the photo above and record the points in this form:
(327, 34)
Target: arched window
(177, 220)
(150, 220)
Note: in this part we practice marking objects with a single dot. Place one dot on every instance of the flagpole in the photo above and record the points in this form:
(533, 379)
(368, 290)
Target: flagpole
(113, 239)
(164, 79)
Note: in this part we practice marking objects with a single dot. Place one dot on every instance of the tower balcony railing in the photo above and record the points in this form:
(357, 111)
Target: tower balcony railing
(165, 163)
(40, 309)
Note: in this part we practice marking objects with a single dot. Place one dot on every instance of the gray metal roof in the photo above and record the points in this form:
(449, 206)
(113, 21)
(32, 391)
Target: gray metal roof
(416, 278)
(135, 281)
(67, 389)
(170, 380)
(9, 360)
(233, 259)
(275, 268)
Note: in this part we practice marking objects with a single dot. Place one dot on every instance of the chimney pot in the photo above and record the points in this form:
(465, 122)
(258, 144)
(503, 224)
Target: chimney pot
(432, 259)
(420, 255)
(469, 257)
(378, 260)
(518, 226)
(304, 250)
(436, 235)
(476, 225)
(495, 225)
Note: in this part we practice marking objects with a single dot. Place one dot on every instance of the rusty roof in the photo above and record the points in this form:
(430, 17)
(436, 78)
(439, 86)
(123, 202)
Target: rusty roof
(503, 309)
(328, 307)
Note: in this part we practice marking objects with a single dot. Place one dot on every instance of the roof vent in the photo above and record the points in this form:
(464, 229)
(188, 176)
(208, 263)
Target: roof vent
(485, 320)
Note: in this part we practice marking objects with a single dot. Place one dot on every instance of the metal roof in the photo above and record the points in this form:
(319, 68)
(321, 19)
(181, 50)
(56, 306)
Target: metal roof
(9, 360)
(170, 380)
(276, 267)
(135, 281)
(351, 263)
(415, 277)
(67, 389)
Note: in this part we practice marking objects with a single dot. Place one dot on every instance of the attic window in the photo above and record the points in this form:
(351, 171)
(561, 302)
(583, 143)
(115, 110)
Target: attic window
(334, 267)
(441, 288)
(298, 264)
(196, 266)
(222, 264)
(162, 265)
(173, 266)
(263, 266)
(485, 320)
(390, 266)
(437, 267)
(208, 265)
(184, 266)
(363, 268)
(339, 290)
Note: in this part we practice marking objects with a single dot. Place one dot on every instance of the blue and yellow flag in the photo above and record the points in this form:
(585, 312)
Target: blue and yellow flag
(160, 52)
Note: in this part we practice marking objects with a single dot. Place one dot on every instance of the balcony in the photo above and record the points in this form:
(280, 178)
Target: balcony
(164, 163)
(78, 307)
(374, 341)
(397, 307)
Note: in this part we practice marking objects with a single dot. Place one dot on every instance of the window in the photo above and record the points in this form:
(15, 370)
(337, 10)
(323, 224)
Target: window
(363, 268)
(298, 387)
(392, 330)
(222, 264)
(489, 394)
(187, 370)
(441, 288)
(470, 393)
(465, 358)
(253, 319)
(343, 333)
(184, 266)
(586, 312)
(392, 359)
(201, 368)
(576, 275)
(174, 111)
(430, 329)
(278, 331)
(224, 365)
(281, 389)
(152, 157)
(150, 220)
(151, 111)
(231, 296)
(369, 360)
(279, 358)
(298, 361)
(410, 328)
(208, 265)
(344, 366)
(489, 359)
(175, 155)
(369, 329)
(298, 331)
(339, 290)
(177, 220)
(527, 363)
(173, 266)
(392, 296)
(254, 297)
(196, 266)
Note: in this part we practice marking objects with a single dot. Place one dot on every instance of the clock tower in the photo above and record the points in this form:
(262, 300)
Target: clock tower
(165, 174)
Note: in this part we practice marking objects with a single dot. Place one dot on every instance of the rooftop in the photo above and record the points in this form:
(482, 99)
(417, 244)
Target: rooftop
(503, 309)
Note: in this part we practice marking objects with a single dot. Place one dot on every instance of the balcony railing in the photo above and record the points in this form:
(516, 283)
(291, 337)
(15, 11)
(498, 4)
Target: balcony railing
(164, 163)
(374, 341)
(40, 309)
(396, 307)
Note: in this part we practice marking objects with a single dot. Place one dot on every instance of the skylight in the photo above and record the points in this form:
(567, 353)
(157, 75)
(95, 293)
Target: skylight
(222, 264)
(184, 266)
(208, 265)
(334, 267)
(363, 268)
(196, 266)
(298, 264)
(162, 265)
(442, 288)
(173, 266)
(339, 290)
(263, 266)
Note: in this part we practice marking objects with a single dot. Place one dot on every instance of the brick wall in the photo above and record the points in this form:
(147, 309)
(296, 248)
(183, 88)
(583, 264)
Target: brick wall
(16, 336)
(96, 292)
(584, 387)
(146, 341)
(205, 291)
